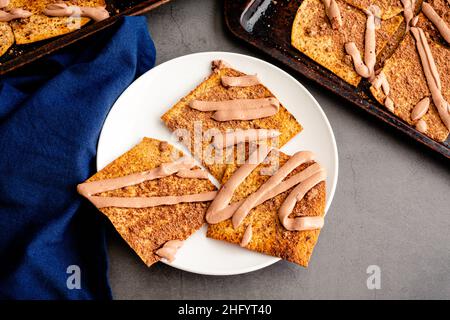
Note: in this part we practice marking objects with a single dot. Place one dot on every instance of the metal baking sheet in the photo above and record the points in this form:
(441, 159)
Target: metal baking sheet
(266, 25)
(20, 55)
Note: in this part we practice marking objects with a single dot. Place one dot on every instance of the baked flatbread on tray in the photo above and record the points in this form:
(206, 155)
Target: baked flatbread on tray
(147, 229)
(408, 84)
(269, 236)
(182, 117)
(6, 37)
(40, 27)
(387, 8)
(313, 35)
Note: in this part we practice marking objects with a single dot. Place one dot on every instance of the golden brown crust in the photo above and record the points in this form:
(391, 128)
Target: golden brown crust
(40, 27)
(408, 84)
(146, 230)
(6, 37)
(388, 8)
(181, 116)
(312, 35)
(269, 235)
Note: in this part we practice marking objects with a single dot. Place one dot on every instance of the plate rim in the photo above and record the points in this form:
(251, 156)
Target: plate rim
(335, 155)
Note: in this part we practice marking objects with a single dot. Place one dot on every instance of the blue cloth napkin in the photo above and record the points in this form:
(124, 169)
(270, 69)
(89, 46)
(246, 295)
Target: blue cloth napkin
(52, 243)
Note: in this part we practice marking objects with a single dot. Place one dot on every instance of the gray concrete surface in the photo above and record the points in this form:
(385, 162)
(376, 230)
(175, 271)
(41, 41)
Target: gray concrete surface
(391, 209)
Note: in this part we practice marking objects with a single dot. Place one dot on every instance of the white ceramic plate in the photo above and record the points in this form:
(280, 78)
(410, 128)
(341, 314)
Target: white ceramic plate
(137, 114)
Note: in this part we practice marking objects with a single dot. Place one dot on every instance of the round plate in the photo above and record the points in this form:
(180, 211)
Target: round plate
(137, 113)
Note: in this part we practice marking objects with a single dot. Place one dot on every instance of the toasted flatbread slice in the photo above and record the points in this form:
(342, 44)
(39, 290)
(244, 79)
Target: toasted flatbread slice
(442, 8)
(312, 35)
(387, 8)
(183, 117)
(6, 37)
(147, 229)
(40, 27)
(269, 235)
(408, 84)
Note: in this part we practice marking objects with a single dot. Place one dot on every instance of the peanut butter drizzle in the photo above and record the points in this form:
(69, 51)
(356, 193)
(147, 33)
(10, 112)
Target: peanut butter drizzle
(440, 24)
(13, 14)
(242, 81)
(64, 10)
(420, 109)
(247, 237)
(431, 75)
(238, 109)
(408, 11)
(333, 13)
(169, 250)
(220, 210)
(89, 189)
(236, 137)
(217, 65)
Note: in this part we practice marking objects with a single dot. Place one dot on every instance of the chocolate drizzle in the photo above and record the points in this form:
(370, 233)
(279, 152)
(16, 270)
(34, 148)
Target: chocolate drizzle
(440, 24)
(179, 167)
(333, 13)
(431, 75)
(169, 250)
(238, 109)
(61, 9)
(14, 14)
(247, 237)
(366, 69)
(408, 11)
(242, 81)
(220, 209)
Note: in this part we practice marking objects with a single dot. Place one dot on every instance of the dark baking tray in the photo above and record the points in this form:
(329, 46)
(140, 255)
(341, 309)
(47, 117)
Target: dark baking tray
(20, 55)
(266, 25)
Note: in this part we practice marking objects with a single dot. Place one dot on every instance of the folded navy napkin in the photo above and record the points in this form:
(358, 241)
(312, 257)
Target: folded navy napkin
(52, 244)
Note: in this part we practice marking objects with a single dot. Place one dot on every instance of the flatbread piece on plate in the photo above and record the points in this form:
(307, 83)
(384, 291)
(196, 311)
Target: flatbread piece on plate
(182, 117)
(269, 236)
(148, 229)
